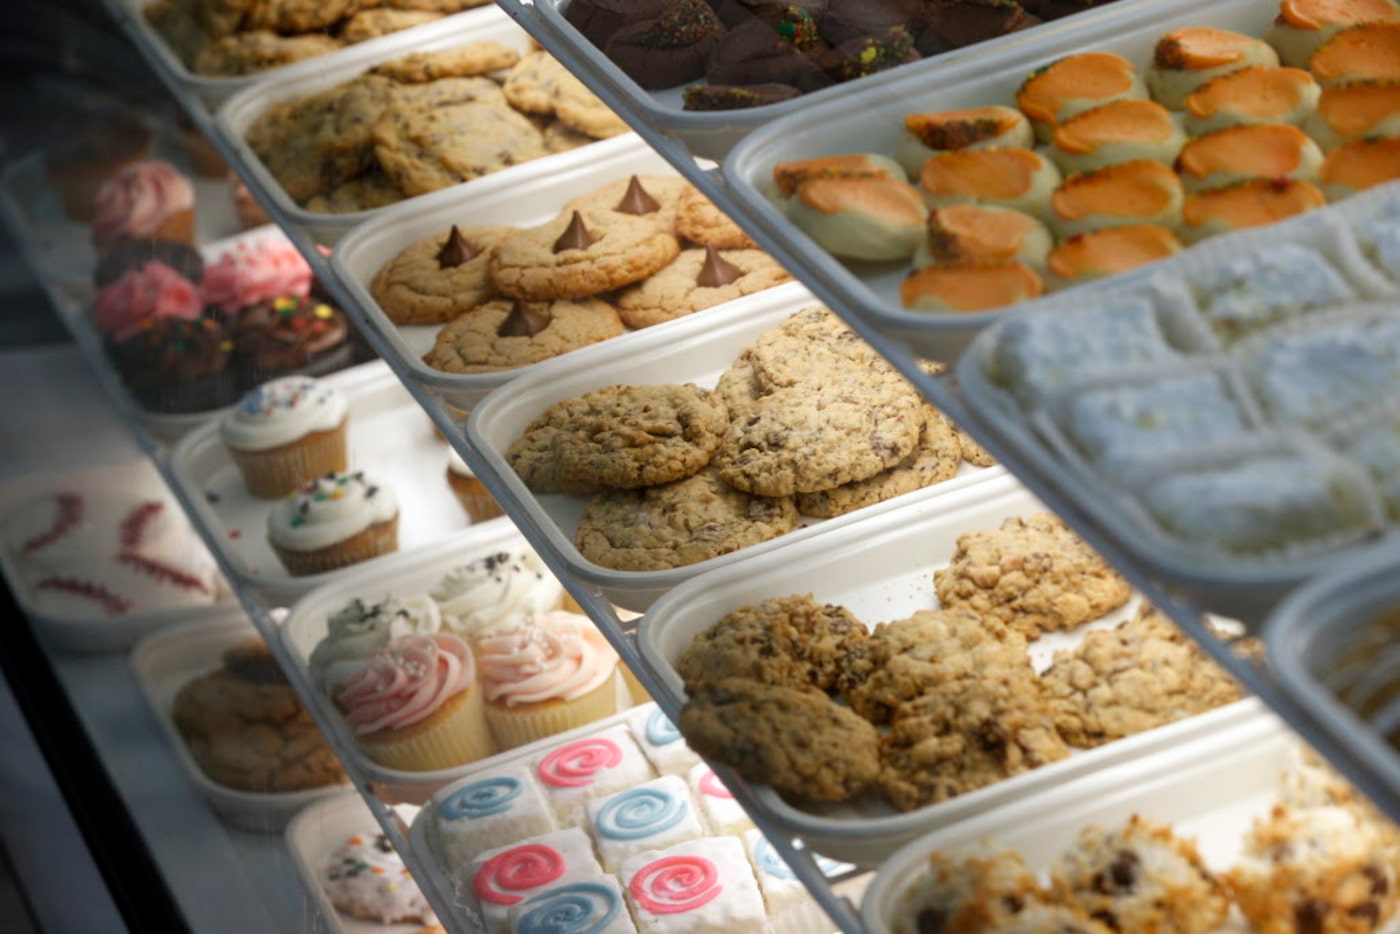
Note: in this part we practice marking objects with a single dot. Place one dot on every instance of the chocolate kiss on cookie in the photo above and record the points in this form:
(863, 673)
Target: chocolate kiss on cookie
(523, 321)
(717, 271)
(575, 237)
(637, 200)
(456, 250)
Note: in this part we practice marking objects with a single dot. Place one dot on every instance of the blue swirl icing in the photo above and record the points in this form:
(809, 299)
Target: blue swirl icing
(639, 813)
(580, 908)
(660, 730)
(485, 798)
(768, 860)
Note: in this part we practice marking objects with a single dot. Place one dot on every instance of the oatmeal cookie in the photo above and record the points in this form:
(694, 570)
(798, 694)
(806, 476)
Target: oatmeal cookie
(976, 888)
(246, 728)
(695, 280)
(793, 641)
(1033, 573)
(1140, 877)
(802, 743)
(620, 437)
(381, 21)
(678, 523)
(245, 53)
(424, 150)
(290, 17)
(580, 108)
(650, 196)
(972, 452)
(466, 61)
(934, 459)
(700, 220)
(1141, 675)
(502, 334)
(435, 279)
(529, 86)
(582, 252)
(908, 658)
(970, 733)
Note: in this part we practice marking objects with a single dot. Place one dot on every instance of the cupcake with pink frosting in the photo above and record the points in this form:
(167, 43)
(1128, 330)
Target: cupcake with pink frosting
(147, 200)
(545, 674)
(416, 705)
(171, 355)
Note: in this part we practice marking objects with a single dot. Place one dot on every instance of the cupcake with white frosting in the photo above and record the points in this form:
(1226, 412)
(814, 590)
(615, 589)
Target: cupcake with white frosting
(359, 629)
(285, 432)
(495, 591)
(333, 521)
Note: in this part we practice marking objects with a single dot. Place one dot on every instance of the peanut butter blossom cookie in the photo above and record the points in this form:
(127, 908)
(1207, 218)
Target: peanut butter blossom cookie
(503, 334)
(581, 253)
(698, 279)
(438, 278)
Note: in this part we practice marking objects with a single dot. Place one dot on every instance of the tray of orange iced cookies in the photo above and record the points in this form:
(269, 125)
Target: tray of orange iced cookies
(925, 205)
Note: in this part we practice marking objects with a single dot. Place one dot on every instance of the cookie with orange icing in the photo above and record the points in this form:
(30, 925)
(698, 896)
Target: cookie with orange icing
(1366, 50)
(1108, 252)
(1261, 150)
(1355, 109)
(788, 176)
(991, 127)
(876, 218)
(961, 233)
(1257, 94)
(970, 286)
(1358, 165)
(1118, 132)
(1021, 179)
(1141, 192)
(1186, 58)
(1302, 26)
(1254, 202)
(1074, 84)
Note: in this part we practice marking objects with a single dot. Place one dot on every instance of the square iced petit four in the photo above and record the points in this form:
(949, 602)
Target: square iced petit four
(489, 809)
(661, 740)
(1313, 375)
(698, 886)
(1038, 355)
(651, 816)
(791, 907)
(723, 814)
(505, 877)
(589, 906)
(1263, 288)
(579, 770)
(1124, 428)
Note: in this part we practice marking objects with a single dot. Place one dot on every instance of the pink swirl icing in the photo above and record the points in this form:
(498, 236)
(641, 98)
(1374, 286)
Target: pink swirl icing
(710, 784)
(122, 309)
(576, 764)
(517, 870)
(556, 655)
(250, 274)
(138, 199)
(675, 884)
(405, 682)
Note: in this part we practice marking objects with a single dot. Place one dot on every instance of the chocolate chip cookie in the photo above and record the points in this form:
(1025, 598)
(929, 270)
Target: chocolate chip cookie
(425, 150)
(466, 61)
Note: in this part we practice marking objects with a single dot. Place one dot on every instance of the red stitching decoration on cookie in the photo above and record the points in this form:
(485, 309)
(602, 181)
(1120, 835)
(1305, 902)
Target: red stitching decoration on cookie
(133, 527)
(70, 513)
(161, 572)
(113, 603)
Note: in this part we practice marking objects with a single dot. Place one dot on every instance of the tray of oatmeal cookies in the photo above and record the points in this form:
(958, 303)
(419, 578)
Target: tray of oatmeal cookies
(331, 142)
(471, 290)
(715, 438)
(1228, 425)
(707, 72)
(1245, 830)
(925, 205)
(213, 49)
(932, 663)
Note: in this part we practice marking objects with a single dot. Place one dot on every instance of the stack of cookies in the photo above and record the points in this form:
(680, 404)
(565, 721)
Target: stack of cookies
(635, 252)
(809, 420)
(424, 122)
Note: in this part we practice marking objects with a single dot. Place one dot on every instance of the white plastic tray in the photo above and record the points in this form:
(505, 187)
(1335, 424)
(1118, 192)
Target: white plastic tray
(1210, 789)
(882, 570)
(1311, 640)
(401, 575)
(360, 255)
(213, 90)
(165, 662)
(390, 437)
(871, 118)
(305, 78)
(712, 134)
(136, 477)
(315, 833)
(695, 349)
(1242, 588)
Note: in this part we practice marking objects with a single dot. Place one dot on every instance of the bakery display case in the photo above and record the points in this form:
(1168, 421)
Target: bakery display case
(1060, 459)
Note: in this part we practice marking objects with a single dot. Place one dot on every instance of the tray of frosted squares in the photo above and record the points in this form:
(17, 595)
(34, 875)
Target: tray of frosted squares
(1231, 421)
(618, 826)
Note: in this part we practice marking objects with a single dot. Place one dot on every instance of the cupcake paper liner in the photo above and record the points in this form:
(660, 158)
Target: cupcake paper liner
(516, 726)
(379, 539)
(273, 473)
(455, 734)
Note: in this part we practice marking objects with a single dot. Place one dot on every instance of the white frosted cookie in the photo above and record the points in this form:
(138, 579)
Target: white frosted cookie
(983, 232)
(1129, 193)
(1302, 26)
(1359, 165)
(1186, 58)
(1258, 94)
(1353, 110)
(1099, 253)
(1021, 179)
(860, 218)
(789, 176)
(995, 126)
(1253, 202)
(970, 286)
(1235, 153)
(1122, 131)
(1074, 84)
